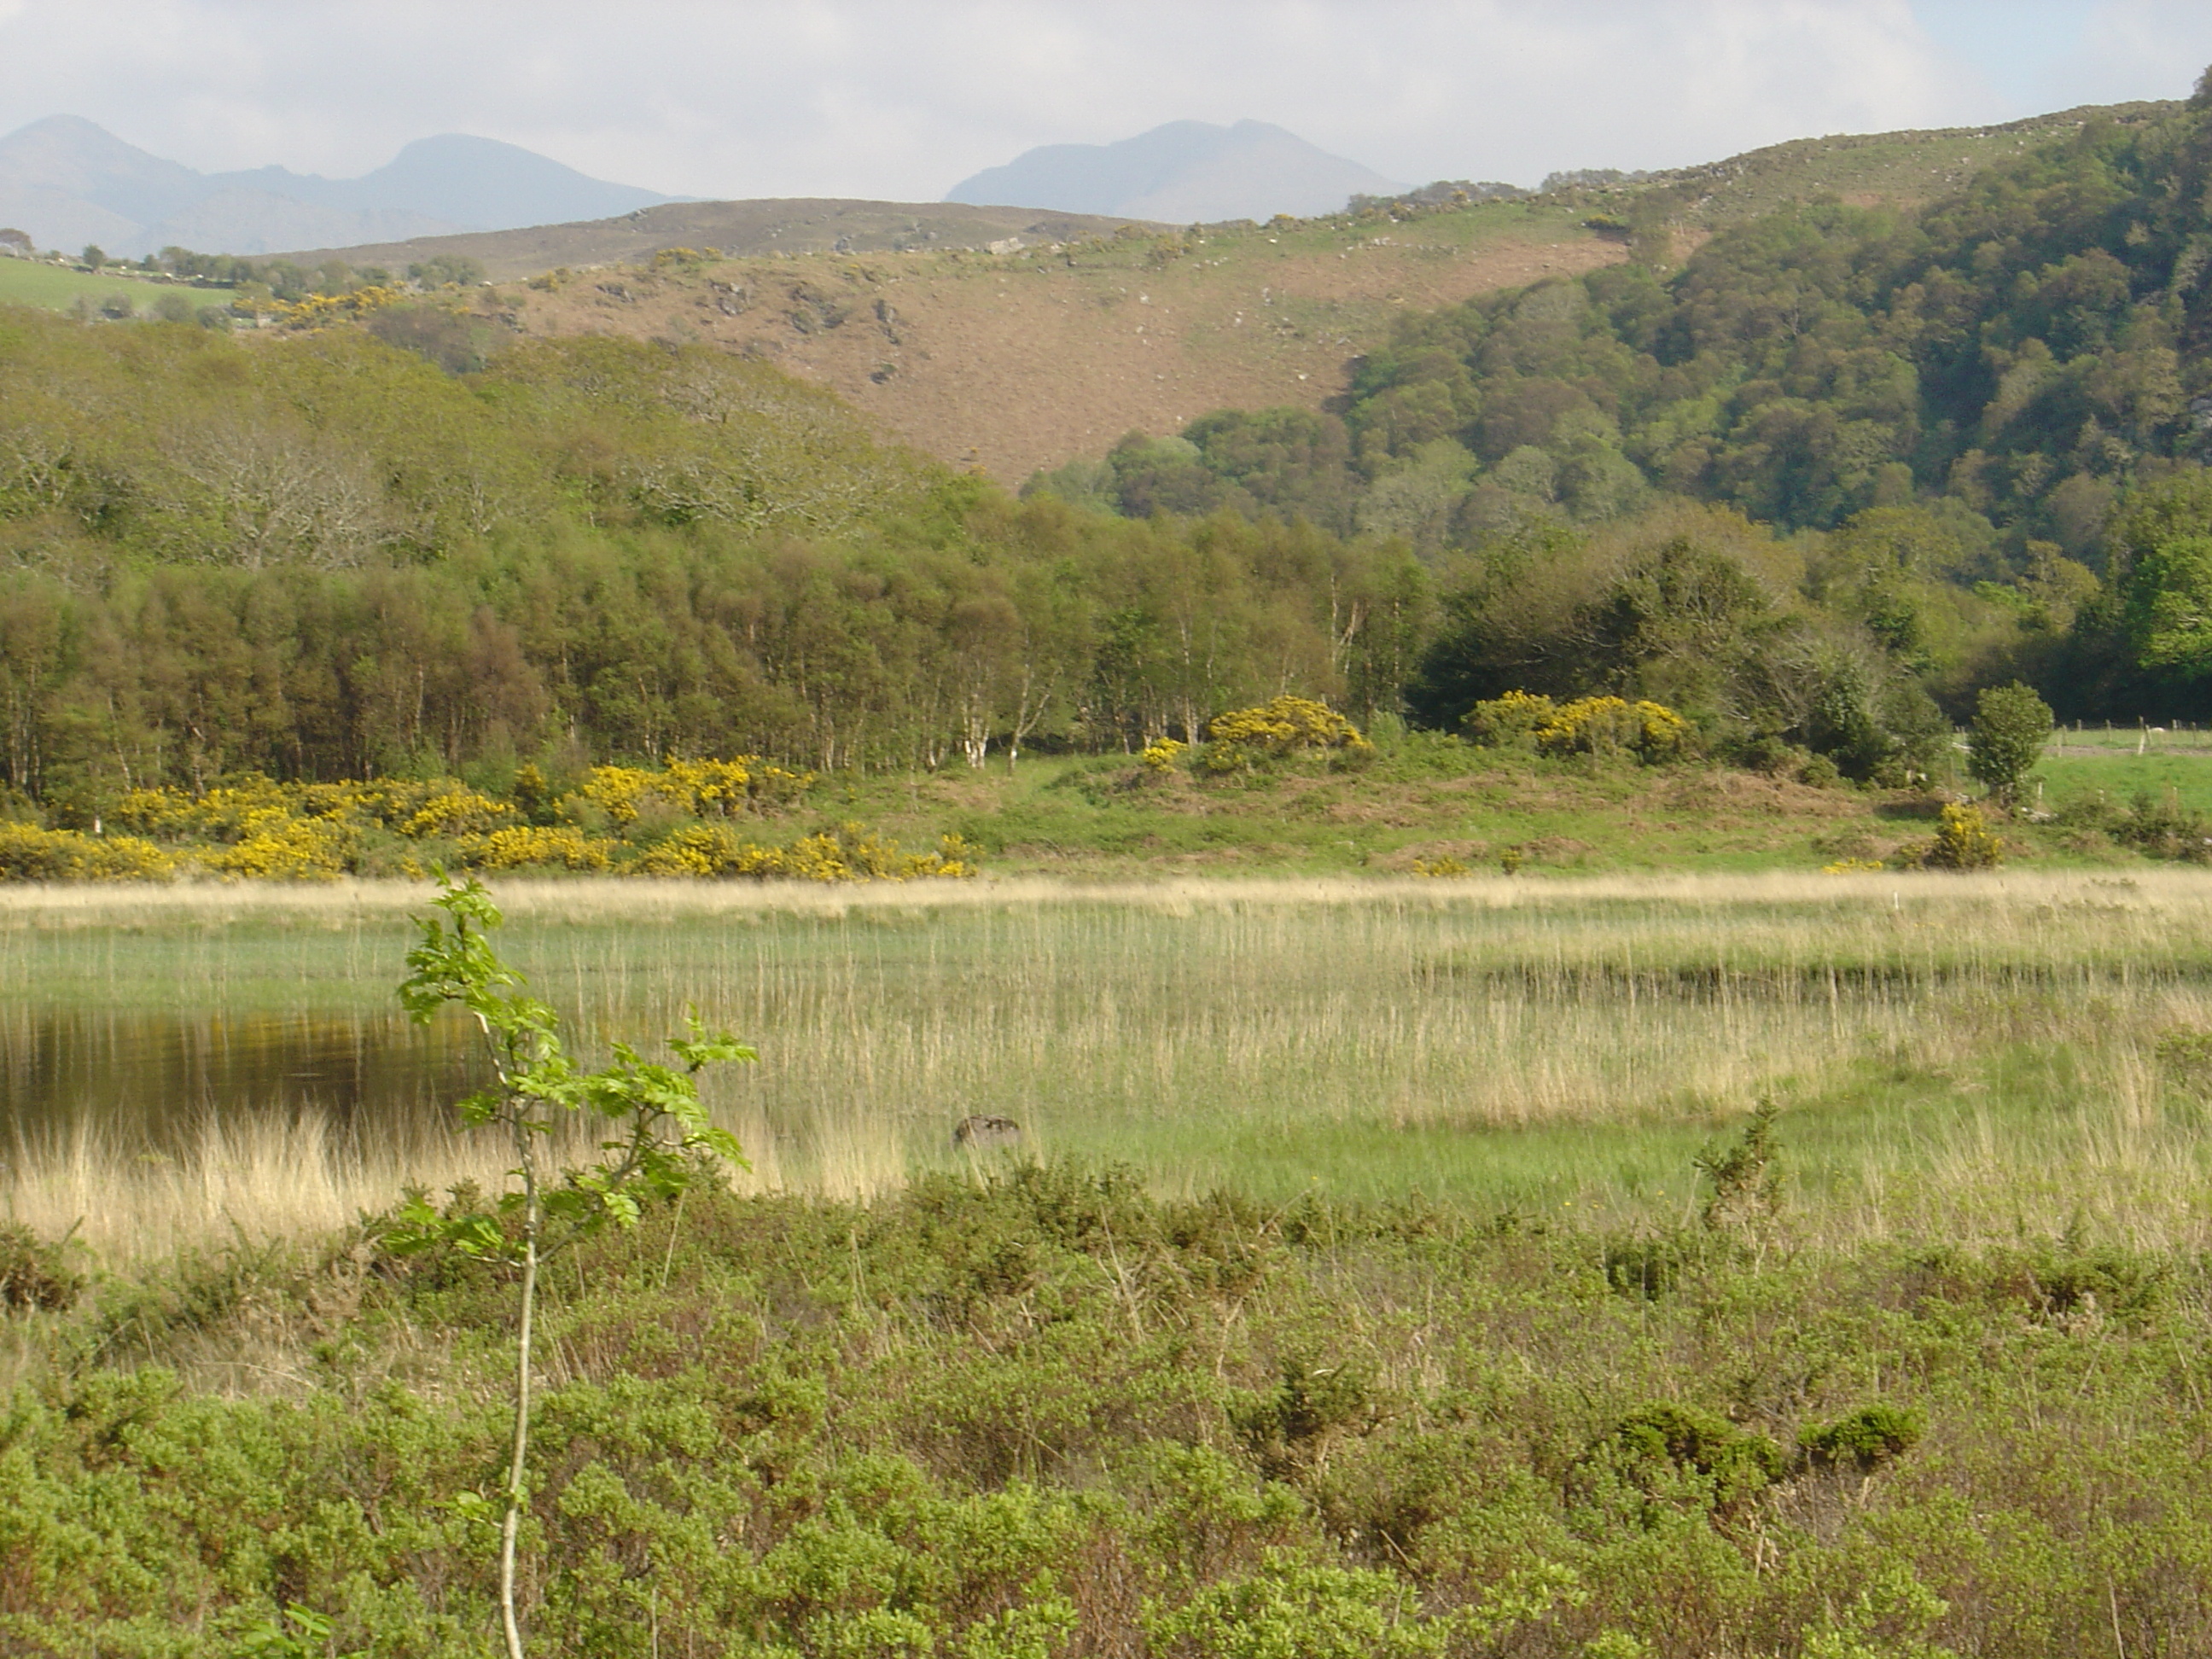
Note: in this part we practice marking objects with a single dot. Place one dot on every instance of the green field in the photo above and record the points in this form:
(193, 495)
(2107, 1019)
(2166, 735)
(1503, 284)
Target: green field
(56, 288)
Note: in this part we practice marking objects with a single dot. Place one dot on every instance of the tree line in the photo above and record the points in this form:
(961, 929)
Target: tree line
(323, 558)
(338, 556)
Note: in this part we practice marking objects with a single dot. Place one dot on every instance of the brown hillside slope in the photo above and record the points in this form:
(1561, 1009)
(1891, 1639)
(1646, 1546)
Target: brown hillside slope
(1016, 361)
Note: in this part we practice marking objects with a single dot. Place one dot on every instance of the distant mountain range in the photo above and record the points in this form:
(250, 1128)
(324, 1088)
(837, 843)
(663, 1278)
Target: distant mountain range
(66, 182)
(1184, 172)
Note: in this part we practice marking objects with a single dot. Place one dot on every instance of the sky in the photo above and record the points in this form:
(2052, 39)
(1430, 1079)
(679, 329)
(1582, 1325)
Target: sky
(901, 99)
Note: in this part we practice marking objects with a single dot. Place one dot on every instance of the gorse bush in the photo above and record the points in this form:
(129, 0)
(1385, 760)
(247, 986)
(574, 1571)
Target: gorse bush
(1963, 840)
(673, 821)
(1281, 727)
(1586, 726)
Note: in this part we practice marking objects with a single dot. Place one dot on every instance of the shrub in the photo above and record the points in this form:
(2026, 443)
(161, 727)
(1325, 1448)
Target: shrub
(1870, 1436)
(1510, 721)
(1654, 1447)
(1606, 725)
(457, 812)
(1287, 726)
(280, 847)
(519, 846)
(1964, 840)
(1291, 1608)
(1159, 756)
(35, 1273)
(2011, 725)
(1746, 1186)
(1588, 725)
(30, 854)
(697, 849)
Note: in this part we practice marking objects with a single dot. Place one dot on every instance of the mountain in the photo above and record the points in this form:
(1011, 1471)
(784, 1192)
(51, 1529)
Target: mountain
(67, 182)
(1184, 172)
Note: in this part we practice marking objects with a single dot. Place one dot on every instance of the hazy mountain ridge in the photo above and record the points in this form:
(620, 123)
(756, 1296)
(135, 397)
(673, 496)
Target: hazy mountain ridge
(1183, 173)
(67, 181)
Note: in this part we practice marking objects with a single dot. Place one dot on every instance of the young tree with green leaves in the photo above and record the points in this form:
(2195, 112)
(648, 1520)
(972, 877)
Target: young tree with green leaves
(660, 1143)
(2011, 725)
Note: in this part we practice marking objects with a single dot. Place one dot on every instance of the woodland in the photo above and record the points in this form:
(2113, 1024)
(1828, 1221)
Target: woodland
(1815, 488)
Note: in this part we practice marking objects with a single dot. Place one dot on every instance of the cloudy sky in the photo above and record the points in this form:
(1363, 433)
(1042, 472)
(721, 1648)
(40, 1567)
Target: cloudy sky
(899, 99)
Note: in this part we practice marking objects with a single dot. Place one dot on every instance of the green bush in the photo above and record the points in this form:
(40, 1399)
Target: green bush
(1866, 1439)
(2005, 742)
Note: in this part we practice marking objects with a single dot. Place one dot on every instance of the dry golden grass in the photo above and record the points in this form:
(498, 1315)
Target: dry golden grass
(1963, 1053)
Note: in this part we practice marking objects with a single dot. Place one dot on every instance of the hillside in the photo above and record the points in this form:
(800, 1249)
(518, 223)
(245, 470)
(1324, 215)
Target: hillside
(1019, 360)
(1026, 360)
(792, 226)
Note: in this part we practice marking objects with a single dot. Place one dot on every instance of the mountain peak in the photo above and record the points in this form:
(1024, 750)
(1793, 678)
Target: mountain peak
(67, 180)
(1180, 172)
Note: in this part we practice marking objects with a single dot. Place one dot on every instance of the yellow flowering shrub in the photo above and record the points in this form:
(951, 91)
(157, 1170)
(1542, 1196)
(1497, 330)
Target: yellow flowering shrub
(1587, 726)
(698, 849)
(521, 845)
(709, 788)
(1964, 840)
(849, 853)
(1510, 721)
(1604, 726)
(277, 846)
(223, 813)
(30, 854)
(456, 812)
(702, 789)
(1159, 756)
(619, 791)
(1283, 726)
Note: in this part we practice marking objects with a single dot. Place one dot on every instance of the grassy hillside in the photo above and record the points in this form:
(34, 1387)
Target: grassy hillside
(1021, 362)
(1896, 169)
(791, 226)
(61, 288)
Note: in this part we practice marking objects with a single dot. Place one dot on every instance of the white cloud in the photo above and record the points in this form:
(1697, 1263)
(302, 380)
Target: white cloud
(868, 97)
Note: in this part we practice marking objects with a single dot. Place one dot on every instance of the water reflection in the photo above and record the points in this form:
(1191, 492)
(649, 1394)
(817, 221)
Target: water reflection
(155, 1080)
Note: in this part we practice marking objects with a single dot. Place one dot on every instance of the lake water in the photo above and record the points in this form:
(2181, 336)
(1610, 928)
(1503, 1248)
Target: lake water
(153, 1078)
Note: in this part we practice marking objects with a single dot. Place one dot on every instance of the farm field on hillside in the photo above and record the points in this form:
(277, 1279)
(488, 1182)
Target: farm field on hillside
(56, 288)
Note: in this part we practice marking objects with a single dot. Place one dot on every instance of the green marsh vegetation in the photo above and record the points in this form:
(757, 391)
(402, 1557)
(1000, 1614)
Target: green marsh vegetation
(1945, 1042)
(1387, 1267)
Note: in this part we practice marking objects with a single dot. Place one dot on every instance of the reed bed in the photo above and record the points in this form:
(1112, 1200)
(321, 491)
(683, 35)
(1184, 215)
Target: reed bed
(1959, 1056)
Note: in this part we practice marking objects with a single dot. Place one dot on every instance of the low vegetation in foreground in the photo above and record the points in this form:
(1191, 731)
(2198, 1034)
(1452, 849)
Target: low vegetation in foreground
(1038, 1413)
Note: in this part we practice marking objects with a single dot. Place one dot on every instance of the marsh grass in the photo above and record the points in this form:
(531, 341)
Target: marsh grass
(1976, 1056)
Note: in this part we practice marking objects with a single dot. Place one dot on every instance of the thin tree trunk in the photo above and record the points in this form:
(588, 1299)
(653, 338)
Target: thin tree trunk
(512, 1524)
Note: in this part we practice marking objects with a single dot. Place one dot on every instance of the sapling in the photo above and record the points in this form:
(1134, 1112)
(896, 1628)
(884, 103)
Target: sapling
(660, 1144)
